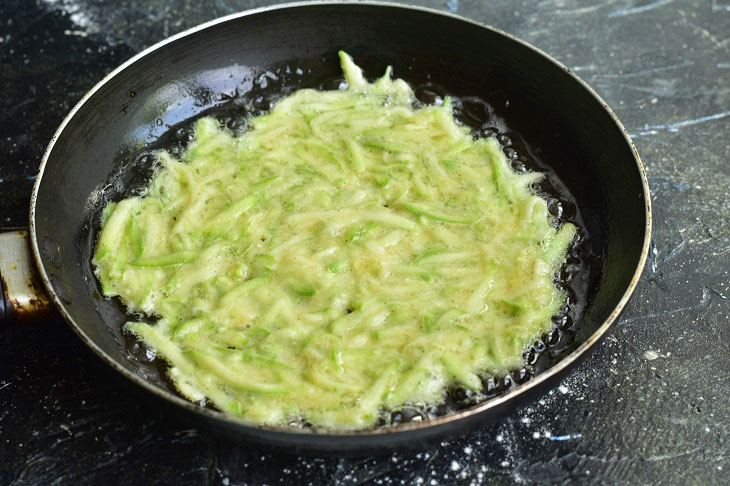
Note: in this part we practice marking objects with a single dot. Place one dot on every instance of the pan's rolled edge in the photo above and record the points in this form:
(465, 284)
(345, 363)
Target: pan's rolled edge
(23, 297)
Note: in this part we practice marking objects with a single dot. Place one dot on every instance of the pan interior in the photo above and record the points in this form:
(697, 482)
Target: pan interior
(244, 64)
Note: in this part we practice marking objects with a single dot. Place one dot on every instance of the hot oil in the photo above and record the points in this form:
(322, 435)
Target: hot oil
(574, 278)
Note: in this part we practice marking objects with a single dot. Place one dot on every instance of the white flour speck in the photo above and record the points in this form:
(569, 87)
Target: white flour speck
(79, 13)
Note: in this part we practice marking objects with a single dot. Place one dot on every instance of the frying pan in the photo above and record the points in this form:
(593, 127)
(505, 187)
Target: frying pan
(257, 55)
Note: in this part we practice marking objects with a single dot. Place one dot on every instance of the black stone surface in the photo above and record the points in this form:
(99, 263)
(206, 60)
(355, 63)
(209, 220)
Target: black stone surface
(650, 406)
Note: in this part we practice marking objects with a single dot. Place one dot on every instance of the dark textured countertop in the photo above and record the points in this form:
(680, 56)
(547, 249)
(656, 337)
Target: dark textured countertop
(650, 406)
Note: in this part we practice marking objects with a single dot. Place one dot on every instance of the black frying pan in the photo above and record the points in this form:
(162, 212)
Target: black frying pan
(95, 155)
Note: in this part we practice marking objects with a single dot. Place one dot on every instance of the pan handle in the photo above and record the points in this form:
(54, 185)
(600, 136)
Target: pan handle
(23, 297)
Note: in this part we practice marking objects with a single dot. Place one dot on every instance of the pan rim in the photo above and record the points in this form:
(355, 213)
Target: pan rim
(477, 409)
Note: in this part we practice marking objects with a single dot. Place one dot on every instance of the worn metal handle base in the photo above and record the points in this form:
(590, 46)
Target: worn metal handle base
(23, 298)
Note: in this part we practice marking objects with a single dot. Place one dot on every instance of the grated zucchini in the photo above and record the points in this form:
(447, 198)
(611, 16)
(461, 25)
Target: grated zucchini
(347, 254)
